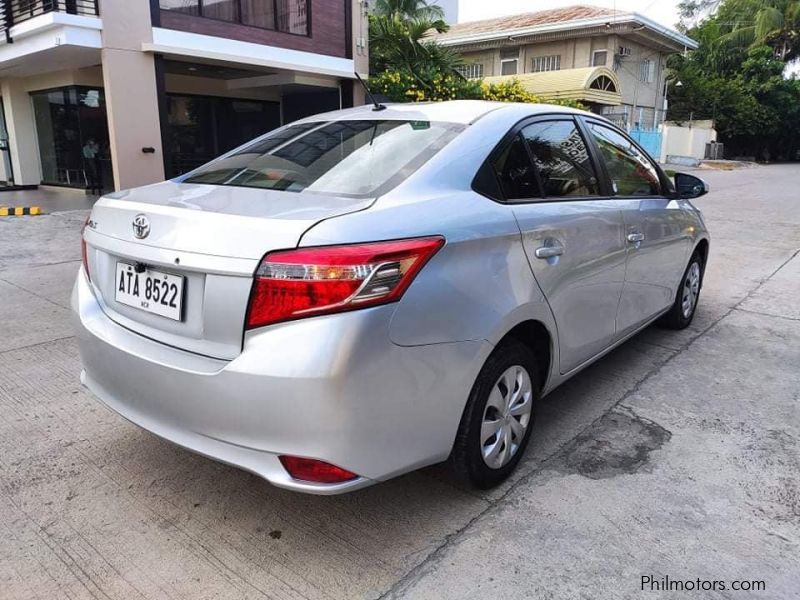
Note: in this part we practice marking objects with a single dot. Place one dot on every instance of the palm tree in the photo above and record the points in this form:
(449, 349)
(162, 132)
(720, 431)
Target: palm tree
(398, 38)
(409, 9)
(401, 43)
(751, 23)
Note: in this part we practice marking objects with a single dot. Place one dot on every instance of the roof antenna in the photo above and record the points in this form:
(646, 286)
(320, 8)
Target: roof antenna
(378, 105)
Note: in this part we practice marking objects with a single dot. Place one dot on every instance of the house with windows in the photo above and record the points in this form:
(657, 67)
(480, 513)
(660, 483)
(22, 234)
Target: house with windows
(613, 62)
(112, 94)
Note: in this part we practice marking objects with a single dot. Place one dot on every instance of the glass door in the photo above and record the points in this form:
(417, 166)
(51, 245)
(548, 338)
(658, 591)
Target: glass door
(72, 130)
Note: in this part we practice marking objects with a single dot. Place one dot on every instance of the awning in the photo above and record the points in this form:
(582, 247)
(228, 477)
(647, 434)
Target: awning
(594, 85)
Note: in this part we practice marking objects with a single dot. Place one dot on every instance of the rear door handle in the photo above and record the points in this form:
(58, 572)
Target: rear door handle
(634, 238)
(549, 251)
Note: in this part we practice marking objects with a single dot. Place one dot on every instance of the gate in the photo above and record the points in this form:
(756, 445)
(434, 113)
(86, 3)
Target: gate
(649, 139)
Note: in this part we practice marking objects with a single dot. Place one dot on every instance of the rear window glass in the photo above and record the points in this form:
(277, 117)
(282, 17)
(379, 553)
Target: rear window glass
(351, 158)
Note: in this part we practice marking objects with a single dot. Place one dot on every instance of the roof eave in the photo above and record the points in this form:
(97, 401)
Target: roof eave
(674, 36)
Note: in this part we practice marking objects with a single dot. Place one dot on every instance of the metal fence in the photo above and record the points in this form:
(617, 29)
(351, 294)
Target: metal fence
(13, 12)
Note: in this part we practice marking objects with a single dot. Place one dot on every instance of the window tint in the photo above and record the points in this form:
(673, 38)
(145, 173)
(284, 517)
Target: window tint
(515, 172)
(630, 171)
(560, 154)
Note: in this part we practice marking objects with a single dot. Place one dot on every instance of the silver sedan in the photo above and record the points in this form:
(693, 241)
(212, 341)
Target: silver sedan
(366, 292)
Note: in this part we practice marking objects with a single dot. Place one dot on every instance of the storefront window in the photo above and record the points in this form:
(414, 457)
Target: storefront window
(201, 128)
(73, 137)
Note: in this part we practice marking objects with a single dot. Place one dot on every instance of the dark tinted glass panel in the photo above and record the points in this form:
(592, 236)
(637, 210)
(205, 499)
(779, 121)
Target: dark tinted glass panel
(630, 171)
(259, 13)
(561, 158)
(293, 16)
(515, 172)
(290, 16)
(354, 158)
(200, 128)
(224, 10)
(190, 7)
(72, 133)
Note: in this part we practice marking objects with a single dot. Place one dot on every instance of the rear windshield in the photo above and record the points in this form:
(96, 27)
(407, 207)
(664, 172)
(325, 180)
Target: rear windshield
(351, 158)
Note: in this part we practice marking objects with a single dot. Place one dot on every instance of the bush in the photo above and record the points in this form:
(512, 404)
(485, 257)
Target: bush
(403, 86)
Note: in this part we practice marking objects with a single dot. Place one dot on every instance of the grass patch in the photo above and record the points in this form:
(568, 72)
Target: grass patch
(670, 172)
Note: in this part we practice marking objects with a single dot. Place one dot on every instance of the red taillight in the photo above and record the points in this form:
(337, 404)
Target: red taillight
(85, 250)
(291, 284)
(317, 471)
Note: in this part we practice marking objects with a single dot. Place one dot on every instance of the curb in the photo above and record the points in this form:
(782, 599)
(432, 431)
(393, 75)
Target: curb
(18, 211)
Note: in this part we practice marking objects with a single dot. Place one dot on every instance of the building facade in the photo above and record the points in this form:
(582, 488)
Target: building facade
(112, 94)
(613, 62)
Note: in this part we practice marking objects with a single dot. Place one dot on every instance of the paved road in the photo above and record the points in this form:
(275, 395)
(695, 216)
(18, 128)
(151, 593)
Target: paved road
(676, 455)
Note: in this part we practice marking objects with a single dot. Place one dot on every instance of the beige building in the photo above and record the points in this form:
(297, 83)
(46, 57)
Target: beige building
(614, 62)
(117, 93)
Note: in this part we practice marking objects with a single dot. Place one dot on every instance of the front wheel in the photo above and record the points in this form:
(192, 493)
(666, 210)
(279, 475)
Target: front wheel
(498, 418)
(682, 312)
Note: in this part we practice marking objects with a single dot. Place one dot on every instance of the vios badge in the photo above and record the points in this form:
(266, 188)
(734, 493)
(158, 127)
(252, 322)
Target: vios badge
(141, 226)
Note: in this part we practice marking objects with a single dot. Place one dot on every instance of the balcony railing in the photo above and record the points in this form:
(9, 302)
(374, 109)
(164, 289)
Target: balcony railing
(14, 12)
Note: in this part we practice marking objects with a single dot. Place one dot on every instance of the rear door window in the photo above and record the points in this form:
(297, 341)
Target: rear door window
(561, 158)
(515, 173)
(631, 172)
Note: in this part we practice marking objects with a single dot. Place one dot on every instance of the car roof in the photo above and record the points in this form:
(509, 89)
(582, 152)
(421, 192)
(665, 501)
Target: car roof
(451, 111)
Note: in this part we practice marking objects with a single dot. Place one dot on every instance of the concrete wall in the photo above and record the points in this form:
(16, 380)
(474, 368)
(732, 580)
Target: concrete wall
(21, 132)
(130, 89)
(687, 140)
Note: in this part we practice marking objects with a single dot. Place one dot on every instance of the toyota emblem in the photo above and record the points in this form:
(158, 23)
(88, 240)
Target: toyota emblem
(141, 226)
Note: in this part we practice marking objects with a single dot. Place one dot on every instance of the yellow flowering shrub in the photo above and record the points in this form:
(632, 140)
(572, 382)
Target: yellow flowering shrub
(403, 86)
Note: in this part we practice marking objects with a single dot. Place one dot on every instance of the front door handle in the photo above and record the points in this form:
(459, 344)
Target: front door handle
(549, 251)
(635, 238)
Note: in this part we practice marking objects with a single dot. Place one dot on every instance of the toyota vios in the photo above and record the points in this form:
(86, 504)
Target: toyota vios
(366, 292)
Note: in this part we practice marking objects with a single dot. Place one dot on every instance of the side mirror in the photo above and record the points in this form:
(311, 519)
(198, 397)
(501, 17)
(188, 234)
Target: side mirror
(689, 186)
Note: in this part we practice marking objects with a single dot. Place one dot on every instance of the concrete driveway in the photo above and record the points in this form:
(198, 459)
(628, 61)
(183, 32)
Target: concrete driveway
(675, 456)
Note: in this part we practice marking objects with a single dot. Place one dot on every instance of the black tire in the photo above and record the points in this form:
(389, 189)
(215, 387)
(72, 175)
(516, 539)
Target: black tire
(467, 456)
(677, 318)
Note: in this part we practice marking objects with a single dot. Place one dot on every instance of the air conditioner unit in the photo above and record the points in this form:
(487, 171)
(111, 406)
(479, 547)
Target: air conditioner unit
(624, 51)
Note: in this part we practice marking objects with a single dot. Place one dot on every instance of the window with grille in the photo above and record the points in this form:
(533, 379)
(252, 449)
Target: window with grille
(508, 61)
(474, 71)
(546, 63)
(599, 58)
(647, 70)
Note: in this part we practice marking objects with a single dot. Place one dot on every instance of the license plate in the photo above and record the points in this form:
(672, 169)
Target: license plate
(152, 291)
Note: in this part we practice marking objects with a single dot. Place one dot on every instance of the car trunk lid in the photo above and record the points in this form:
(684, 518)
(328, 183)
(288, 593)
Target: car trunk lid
(211, 238)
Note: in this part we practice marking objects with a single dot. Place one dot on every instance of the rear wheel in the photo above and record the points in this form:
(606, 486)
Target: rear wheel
(682, 312)
(498, 418)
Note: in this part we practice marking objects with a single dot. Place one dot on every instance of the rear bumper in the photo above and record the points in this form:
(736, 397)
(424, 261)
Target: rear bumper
(334, 388)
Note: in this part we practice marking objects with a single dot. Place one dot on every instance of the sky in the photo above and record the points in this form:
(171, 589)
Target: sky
(662, 11)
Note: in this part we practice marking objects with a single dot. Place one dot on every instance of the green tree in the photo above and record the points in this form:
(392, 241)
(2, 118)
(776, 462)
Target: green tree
(400, 42)
(753, 23)
(409, 9)
(755, 109)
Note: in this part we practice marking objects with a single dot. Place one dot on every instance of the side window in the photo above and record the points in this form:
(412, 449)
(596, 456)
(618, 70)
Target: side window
(515, 172)
(631, 172)
(562, 159)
